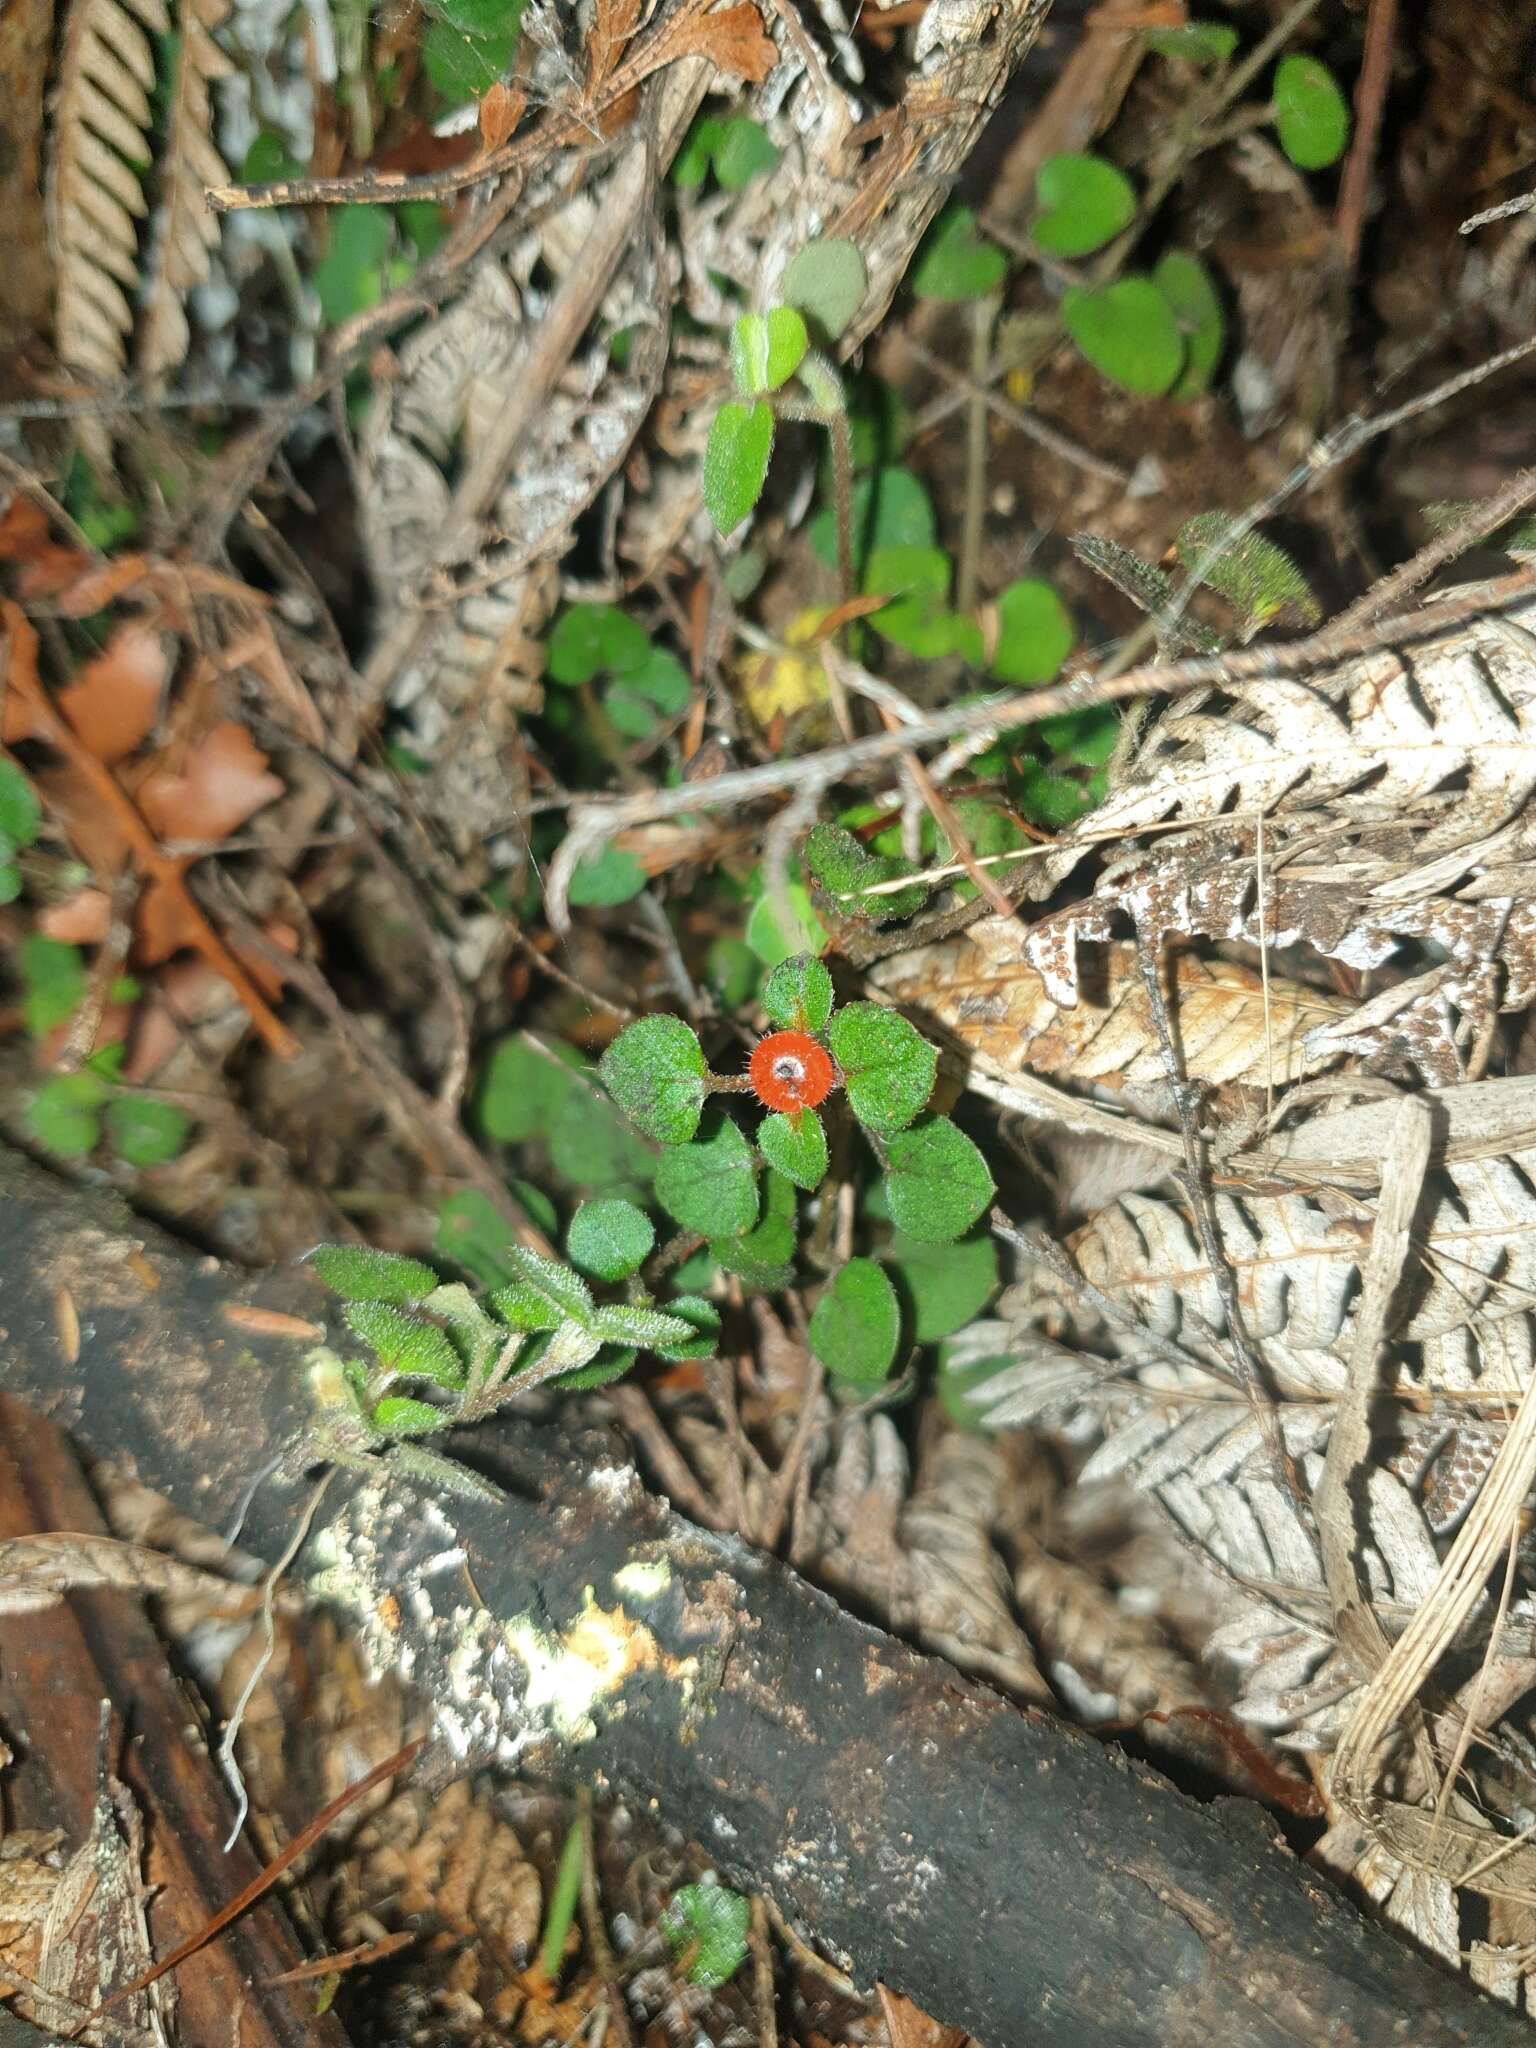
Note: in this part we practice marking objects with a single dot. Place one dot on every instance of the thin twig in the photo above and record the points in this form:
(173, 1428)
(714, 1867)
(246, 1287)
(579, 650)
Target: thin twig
(1474, 525)
(974, 511)
(962, 389)
(1370, 98)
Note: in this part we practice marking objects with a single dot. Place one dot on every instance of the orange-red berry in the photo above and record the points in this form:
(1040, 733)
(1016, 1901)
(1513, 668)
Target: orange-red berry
(790, 1071)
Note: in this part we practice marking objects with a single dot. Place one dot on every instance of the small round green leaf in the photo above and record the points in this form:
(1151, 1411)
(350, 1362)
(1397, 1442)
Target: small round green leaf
(744, 150)
(798, 994)
(772, 940)
(145, 1132)
(708, 1924)
(936, 1180)
(1128, 332)
(1084, 203)
(955, 262)
(856, 1324)
(659, 688)
(1311, 116)
(1198, 42)
(827, 280)
(795, 1146)
(610, 1240)
(943, 1286)
(64, 1116)
(767, 349)
(610, 877)
(53, 982)
(654, 1070)
(360, 1273)
(764, 1258)
(20, 812)
(591, 638)
(888, 1066)
(709, 1186)
(1187, 285)
(1035, 633)
(736, 462)
(10, 881)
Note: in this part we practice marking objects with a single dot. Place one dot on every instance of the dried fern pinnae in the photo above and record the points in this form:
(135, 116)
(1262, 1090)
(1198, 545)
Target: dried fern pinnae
(189, 231)
(980, 989)
(1448, 725)
(100, 139)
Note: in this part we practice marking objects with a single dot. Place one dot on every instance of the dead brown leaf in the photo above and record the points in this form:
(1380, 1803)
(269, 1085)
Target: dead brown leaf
(734, 41)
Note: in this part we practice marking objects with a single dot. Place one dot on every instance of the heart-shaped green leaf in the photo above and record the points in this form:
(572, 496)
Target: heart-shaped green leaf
(827, 281)
(1084, 203)
(709, 1186)
(936, 1181)
(888, 1066)
(655, 1071)
(955, 262)
(1128, 332)
(795, 1146)
(798, 994)
(856, 1325)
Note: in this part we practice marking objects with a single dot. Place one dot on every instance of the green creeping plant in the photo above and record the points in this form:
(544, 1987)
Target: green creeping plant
(443, 1356)
(936, 1184)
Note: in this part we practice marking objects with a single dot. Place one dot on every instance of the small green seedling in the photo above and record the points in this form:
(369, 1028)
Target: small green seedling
(443, 1356)
(822, 287)
(705, 1926)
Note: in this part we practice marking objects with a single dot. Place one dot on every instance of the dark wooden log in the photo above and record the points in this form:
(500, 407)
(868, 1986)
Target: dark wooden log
(1009, 1873)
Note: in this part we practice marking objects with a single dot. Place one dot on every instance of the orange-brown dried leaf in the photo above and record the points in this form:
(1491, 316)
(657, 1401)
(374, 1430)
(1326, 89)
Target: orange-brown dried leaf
(83, 919)
(500, 111)
(25, 538)
(612, 26)
(100, 584)
(734, 41)
(224, 780)
(115, 698)
(22, 688)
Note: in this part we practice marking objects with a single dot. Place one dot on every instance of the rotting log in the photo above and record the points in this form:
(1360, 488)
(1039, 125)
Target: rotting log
(1008, 1872)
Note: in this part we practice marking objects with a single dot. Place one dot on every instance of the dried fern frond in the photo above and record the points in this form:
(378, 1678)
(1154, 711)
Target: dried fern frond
(189, 231)
(101, 122)
(981, 990)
